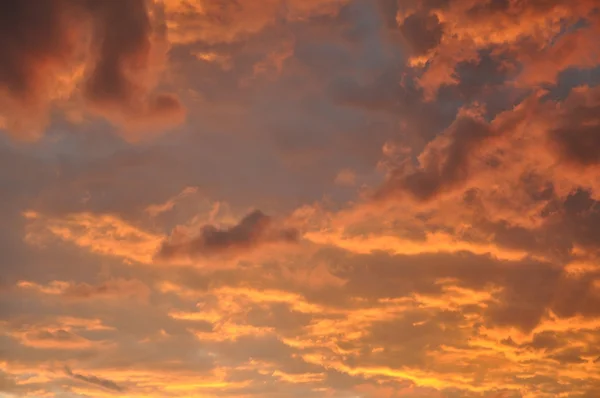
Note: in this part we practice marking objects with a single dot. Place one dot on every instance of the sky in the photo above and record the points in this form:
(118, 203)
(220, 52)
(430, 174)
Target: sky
(300, 198)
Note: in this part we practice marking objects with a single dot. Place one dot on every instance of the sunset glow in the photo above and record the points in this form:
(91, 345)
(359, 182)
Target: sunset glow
(300, 198)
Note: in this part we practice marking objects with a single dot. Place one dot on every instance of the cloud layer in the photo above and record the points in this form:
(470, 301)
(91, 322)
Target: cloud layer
(427, 173)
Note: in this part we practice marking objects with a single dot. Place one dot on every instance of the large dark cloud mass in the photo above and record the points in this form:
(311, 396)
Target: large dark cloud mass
(117, 43)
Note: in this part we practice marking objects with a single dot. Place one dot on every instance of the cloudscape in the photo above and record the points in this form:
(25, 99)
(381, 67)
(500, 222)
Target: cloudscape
(300, 198)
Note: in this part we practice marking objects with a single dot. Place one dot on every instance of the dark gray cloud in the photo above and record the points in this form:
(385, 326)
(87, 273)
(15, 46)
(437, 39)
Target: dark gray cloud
(577, 135)
(444, 165)
(98, 381)
(253, 230)
(422, 31)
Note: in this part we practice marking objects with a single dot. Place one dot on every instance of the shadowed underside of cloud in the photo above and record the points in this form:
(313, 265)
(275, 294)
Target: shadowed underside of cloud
(117, 48)
(253, 230)
(564, 133)
(422, 31)
(576, 136)
(444, 163)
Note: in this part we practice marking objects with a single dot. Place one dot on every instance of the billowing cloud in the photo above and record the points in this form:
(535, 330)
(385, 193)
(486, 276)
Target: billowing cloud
(112, 52)
(472, 147)
(223, 22)
(519, 28)
(422, 31)
(128, 45)
(444, 163)
(31, 57)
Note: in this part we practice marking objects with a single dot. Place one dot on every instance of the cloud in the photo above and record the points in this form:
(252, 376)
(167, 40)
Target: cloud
(105, 383)
(116, 289)
(422, 31)
(573, 49)
(48, 56)
(576, 135)
(444, 164)
(472, 149)
(521, 29)
(253, 230)
(157, 209)
(214, 22)
(31, 56)
(128, 47)
(345, 177)
(8, 383)
(89, 230)
(431, 164)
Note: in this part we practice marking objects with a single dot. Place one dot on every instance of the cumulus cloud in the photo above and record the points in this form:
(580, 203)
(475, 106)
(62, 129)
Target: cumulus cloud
(472, 147)
(113, 51)
(444, 163)
(422, 31)
(253, 230)
(520, 28)
(128, 40)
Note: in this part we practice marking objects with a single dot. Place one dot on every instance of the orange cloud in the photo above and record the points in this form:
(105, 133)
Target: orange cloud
(444, 34)
(64, 333)
(220, 22)
(103, 234)
(157, 209)
(118, 46)
(471, 149)
(253, 230)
